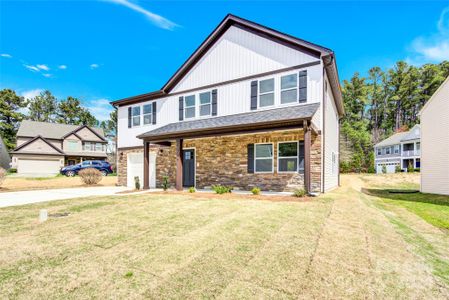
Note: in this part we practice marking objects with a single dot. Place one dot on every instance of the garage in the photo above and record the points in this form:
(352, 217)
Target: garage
(135, 168)
(391, 167)
(46, 166)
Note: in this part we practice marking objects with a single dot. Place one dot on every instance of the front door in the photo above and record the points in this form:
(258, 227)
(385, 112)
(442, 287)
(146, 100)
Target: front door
(188, 168)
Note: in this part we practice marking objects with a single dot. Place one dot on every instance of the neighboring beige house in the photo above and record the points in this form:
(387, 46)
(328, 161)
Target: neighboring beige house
(435, 142)
(46, 147)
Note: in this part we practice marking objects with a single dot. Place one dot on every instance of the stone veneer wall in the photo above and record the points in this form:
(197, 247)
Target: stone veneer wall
(223, 160)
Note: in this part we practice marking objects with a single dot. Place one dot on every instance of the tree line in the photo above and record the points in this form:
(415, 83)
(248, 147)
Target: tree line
(382, 103)
(45, 107)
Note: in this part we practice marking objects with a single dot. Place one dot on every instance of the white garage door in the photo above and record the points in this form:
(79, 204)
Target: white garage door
(391, 168)
(135, 168)
(48, 166)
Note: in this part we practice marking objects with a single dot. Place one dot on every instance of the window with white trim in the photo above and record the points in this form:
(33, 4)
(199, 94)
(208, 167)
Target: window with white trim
(266, 92)
(289, 88)
(396, 149)
(379, 151)
(189, 107)
(72, 145)
(98, 147)
(205, 104)
(136, 115)
(287, 157)
(148, 114)
(263, 158)
(87, 146)
(387, 150)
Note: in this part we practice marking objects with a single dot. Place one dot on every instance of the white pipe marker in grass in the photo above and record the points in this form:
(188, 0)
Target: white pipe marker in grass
(43, 215)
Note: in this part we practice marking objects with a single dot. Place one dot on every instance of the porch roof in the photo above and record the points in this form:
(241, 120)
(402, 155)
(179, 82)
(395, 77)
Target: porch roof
(260, 119)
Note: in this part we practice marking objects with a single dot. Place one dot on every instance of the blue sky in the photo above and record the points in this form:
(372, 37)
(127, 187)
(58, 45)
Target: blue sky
(105, 50)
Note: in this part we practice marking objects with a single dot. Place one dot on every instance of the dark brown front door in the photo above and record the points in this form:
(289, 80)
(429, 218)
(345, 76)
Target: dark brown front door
(188, 167)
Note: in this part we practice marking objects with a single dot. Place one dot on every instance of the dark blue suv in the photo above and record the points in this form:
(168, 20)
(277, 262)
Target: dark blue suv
(103, 166)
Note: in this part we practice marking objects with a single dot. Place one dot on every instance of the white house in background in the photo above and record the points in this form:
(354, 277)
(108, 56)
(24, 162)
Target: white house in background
(402, 149)
(435, 142)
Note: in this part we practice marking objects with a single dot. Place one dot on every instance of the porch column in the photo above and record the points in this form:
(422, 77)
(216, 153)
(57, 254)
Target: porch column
(307, 145)
(179, 164)
(146, 165)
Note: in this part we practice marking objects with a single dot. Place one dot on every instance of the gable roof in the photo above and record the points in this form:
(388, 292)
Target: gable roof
(263, 118)
(87, 127)
(326, 54)
(32, 141)
(51, 130)
(445, 82)
(399, 137)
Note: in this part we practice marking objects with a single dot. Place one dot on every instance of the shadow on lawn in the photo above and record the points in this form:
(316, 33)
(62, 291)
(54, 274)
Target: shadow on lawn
(407, 195)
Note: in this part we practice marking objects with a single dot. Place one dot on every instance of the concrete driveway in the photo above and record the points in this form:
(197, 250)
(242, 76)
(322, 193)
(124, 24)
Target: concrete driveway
(27, 197)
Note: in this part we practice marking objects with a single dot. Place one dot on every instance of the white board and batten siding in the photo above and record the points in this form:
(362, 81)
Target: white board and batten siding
(237, 54)
(435, 143)
(331, 149)
(135, 169)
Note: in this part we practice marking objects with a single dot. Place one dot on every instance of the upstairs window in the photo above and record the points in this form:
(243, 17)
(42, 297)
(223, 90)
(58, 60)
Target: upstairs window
(289, 88)
(263, 158)
(136, 115)
(266, 92)
(72, 145)
(288, 157)
(387, 150)
(189, 107)
(205, 104)
(379, 151)
(98, 147)
(87, 146)
(396, 149)
(147, 114)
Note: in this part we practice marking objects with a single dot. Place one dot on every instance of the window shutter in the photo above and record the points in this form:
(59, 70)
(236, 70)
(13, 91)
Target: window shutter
(254, 95)
(181, 108)
(302, 86)
(250, 158)
(154, 112)
(301, 156)
(129, 117)
(214, 102)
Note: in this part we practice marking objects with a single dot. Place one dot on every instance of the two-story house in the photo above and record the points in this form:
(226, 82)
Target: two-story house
(43, 148)
(250, 107)
(399, 151)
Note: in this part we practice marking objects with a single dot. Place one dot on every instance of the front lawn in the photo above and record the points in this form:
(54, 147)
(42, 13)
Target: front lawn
(14, 183)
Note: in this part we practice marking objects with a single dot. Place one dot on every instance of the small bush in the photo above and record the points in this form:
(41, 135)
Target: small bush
(12, 170)
(90, 176)
(371, 170)
(192, 189)
(410, 167)
(384, 169)
(299, 193)
(255, 191)
(165, 184)
(222, 189)
(417, 170)
(2, 175)
(137, 182)
(397, 169)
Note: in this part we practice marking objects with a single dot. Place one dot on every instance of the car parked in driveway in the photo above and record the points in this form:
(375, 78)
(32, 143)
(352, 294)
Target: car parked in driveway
(103, 166)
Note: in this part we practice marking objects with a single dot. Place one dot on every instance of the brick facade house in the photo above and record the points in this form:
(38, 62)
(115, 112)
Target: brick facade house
(252, 107)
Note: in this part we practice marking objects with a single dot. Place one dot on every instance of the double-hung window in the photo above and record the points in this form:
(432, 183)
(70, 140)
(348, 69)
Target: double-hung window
(266, 92)
(289, 88)
(98, 147)
(87, 146)
(205, 104)
(263, 158)
(288, 157)
(396, 149)
(379, 151)
(147, 114)
(136, 115)
(72, 145)
(189, 107)
(388, 150)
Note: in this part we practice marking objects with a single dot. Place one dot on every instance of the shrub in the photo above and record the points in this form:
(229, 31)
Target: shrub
(165, 184)
(255, 191)
(137, 182)
(371, 170)
(410, 167)
(222, 189)
(299, 193)
(90, 176)
(417, 170)
(12, 170)
(192, 189)
(398, 169)
(345, 167)
(384, 169)
(2, 175)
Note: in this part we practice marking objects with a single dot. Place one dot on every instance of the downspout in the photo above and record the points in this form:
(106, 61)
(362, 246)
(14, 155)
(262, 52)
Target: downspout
(323, 133)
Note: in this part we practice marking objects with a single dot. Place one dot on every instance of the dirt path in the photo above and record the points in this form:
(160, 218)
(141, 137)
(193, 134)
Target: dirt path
(362, 254)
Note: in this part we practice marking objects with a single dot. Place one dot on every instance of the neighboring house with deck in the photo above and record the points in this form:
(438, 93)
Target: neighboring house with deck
(401, 150)
(250, 107)
(435, 142)
(46, 147)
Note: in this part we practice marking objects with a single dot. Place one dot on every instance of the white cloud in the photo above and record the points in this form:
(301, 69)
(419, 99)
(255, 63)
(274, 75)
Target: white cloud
(154, 18)
(43, 67)
(100, 108)
(31, 93)
(94, 66)
(62, 67)
(433, 48)
(32, 68)
(47, 75)
(6, 55)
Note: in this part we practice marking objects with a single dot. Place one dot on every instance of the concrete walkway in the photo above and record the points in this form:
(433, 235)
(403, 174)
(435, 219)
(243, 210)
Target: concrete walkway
(35, 196)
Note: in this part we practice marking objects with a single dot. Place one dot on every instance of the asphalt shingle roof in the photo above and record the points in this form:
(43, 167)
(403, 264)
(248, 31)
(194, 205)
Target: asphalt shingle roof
(49, 130)
(397, 138)
(254, 118)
